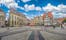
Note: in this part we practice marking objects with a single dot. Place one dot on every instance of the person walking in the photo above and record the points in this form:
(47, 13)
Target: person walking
(54, 26)
(62, 26)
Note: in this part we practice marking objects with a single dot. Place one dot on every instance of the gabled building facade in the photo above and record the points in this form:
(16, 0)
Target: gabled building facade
(17, 19)
(2, 18)
(48, 18)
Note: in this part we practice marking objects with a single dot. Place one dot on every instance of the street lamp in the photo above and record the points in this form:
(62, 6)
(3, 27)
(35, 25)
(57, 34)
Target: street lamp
(39, 18)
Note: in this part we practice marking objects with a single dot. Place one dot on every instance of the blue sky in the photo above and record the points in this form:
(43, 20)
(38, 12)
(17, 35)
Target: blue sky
(33, 8)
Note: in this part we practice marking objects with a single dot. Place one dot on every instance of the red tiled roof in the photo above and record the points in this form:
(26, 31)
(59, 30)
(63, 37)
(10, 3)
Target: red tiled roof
(44, 15)
(60, 19)
(49, 14)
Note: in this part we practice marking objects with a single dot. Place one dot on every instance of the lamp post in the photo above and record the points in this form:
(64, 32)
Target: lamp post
(39, 18)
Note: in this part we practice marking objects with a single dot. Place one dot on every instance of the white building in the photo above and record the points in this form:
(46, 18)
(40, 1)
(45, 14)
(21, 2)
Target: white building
(48, 18)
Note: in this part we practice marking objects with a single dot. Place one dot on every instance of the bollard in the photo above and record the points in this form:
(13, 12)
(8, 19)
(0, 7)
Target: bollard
(0, 37)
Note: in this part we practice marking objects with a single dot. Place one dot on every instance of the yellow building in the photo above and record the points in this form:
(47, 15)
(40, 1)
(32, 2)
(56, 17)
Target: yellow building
(16, 18)
(37, 20)
(25, 21)
(2, 18)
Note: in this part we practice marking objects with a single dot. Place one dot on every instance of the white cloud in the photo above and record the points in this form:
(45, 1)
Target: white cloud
(21, 7)
(12, 5)
(64, 15)
(58, 15)
(9, 3)
(26, 7)
(50, 7)
(58, 10)
(38, 8)
(5, 1)
(26, 0)
(61, 6)
(32, 7)
(29, 7)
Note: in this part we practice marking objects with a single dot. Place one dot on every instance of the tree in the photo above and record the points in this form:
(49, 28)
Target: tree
(64, 20)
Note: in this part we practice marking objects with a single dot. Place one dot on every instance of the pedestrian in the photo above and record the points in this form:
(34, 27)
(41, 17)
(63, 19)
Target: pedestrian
(54, 26)
(62, 26)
